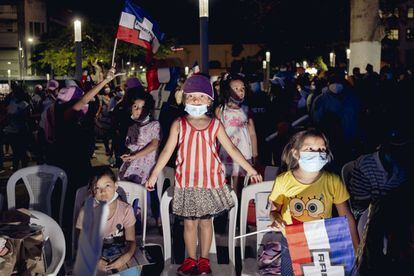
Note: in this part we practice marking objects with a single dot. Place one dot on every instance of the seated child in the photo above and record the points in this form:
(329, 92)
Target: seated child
(306, 192)
(120, 227)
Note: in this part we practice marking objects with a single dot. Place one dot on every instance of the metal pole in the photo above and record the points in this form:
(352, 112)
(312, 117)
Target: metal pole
(203, 12)
(78, 54)
(204, 44)
(20, 50)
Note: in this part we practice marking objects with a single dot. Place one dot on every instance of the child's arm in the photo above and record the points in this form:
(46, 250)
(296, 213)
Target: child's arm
(236, 155)
(253, 139)
(164, 156)
(152, 146)
(130, 249)
(343, 210)
(276, 216)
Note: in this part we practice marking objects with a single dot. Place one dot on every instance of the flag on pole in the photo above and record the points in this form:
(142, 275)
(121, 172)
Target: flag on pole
(137, 27)
(321, 247)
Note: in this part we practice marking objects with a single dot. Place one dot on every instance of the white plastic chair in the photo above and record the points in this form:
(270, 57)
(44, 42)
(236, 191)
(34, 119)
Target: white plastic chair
(249, 193)
(40, 182)
(167, 173)
(346, 172)
(270, 173)
(54, 234)
(219, 269)
(129, 191)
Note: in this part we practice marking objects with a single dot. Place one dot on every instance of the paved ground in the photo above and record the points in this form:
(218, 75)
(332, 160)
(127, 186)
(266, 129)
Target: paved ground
(153, 233)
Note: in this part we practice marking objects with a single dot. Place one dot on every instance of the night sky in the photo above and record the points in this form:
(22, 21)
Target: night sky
(296, 27)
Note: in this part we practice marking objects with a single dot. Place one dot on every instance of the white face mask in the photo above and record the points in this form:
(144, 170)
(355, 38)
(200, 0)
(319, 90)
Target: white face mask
(108, 202)
(120, 93)
(143, 121)
(336, 88)
(196, 110)
(312, 161)
(107, 90)
(236, 101)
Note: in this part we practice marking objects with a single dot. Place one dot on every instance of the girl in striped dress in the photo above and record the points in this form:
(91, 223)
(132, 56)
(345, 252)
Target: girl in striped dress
(200, 187)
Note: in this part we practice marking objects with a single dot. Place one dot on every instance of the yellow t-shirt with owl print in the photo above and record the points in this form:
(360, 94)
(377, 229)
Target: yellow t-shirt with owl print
(306, 202)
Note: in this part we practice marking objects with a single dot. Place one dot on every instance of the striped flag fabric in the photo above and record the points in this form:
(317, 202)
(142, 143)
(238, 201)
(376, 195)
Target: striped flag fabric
(321, 247)
(137, 27)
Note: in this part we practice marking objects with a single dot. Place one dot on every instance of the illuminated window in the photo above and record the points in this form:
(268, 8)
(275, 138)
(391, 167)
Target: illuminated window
(409, 34)
(392, 34)
(410, 13)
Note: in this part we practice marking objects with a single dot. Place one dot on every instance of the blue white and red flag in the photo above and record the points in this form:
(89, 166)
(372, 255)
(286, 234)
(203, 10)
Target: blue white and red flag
(321, 247)
(137, 27)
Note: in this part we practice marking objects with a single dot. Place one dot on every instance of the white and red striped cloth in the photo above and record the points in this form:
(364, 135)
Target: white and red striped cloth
(198, 164)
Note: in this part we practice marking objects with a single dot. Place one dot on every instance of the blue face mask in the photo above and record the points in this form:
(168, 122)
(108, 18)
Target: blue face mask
(310, 161)
(196, 110)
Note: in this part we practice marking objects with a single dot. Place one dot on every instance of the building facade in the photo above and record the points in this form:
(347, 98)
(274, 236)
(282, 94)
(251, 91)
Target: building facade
(398, 45)
(22, 22)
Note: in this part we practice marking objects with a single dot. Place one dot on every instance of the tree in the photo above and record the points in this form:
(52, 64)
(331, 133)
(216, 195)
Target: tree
(56, 53)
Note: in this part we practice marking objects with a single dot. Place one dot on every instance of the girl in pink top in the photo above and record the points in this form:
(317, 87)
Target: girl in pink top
(200, 191)
(142, 140)
(121, 220)
(238, 123)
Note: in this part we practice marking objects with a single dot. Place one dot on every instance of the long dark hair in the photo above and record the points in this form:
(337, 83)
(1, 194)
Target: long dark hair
(149, 102)
(97, 174)
(225, 89)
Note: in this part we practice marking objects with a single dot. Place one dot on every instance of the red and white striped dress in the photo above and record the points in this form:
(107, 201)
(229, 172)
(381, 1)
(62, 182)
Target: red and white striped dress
(200, 190)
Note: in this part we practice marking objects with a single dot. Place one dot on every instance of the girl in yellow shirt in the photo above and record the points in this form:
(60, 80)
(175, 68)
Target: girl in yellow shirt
(306, 192)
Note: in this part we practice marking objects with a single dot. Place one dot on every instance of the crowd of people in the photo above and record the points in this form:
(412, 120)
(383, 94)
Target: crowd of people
(214, 135)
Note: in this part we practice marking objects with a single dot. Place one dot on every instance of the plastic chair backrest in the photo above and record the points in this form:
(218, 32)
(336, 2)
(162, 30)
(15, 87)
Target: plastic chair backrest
(130, 191)
(54, 233)
(346, 172)
(362, 222)
(165, 217)
(270, 173)
(81, 195)
(167, 173)
(40, 182)
(248, 193)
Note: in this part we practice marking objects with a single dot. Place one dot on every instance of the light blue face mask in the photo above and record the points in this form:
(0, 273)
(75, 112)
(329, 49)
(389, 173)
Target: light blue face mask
(311, 161)
(196, 110)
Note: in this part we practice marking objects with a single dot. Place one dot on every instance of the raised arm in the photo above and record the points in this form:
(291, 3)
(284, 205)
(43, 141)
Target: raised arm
(88, 96)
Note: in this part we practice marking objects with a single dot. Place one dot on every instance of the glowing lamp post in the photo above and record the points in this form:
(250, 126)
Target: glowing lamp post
(267, 71)
(332, 59)
(78, 48)
(348, 56)
(203, 4)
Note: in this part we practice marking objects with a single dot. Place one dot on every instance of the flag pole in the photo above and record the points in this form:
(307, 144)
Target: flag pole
(113, 53)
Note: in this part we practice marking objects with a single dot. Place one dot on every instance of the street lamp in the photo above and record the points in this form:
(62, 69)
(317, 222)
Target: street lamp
(30, 40)
(8, 76)
(267, 72)
(203, 12)
(78, 48)
(348, 56)
(332, 59)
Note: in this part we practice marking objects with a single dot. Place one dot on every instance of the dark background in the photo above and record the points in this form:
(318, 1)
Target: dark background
(289, 28)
